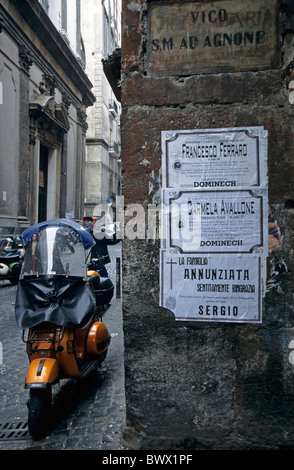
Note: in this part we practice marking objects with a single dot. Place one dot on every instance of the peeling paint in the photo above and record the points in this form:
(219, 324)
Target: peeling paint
(274, 236)
(291, 354)
(145, 162)
(133, 6)
(155, 186)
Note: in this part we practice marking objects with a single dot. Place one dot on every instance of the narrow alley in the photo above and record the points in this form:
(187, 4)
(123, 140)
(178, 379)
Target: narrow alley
(87, 414)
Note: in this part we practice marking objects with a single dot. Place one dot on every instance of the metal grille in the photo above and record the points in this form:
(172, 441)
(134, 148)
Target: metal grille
(14, 429)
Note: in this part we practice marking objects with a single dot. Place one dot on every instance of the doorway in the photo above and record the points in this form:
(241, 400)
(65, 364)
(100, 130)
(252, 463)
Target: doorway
(43, 183)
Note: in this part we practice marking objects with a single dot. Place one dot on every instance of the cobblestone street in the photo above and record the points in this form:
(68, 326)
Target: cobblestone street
(87, 413)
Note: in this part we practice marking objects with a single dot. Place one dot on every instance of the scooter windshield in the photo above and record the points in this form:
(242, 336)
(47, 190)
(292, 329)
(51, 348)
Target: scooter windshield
(53, 285)
(52, 251)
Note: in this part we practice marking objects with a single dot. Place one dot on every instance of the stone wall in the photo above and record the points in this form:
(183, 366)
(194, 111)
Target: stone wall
(192, 385)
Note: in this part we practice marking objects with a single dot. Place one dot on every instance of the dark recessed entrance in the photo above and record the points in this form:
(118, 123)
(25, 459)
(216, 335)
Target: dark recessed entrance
(43, 184)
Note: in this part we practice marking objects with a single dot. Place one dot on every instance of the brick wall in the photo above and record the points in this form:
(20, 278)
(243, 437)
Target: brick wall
(192, 385)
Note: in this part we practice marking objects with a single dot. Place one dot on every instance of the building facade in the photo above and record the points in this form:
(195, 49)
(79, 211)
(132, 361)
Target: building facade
(101, 33)
(44, 96)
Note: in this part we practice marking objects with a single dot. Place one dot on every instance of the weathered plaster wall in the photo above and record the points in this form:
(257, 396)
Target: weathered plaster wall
(192, 385)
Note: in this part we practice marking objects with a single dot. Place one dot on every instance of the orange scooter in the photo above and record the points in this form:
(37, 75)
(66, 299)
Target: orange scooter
(56, 308)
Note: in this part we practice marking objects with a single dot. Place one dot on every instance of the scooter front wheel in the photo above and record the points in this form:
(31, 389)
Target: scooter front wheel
(39, 411)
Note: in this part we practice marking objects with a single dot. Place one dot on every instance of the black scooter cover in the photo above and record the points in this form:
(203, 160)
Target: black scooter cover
(67, 302)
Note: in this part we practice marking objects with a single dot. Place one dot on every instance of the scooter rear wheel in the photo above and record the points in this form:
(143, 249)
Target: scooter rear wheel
(39, 412)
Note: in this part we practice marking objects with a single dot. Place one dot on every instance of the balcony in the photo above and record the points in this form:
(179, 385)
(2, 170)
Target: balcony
(113, 110)
(114, 150)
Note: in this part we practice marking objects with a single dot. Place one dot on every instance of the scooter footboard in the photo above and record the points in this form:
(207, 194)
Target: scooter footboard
(42, 373)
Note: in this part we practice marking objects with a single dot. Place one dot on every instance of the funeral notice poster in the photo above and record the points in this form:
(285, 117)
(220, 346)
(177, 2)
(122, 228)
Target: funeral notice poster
(212, 288)
(232, 221)
(214, 158)
(214, 224)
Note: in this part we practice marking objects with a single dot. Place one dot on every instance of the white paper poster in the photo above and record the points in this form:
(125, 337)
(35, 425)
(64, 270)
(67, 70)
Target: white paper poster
(214, 224)
(212, 288)
(229, 221)
(214, 158)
